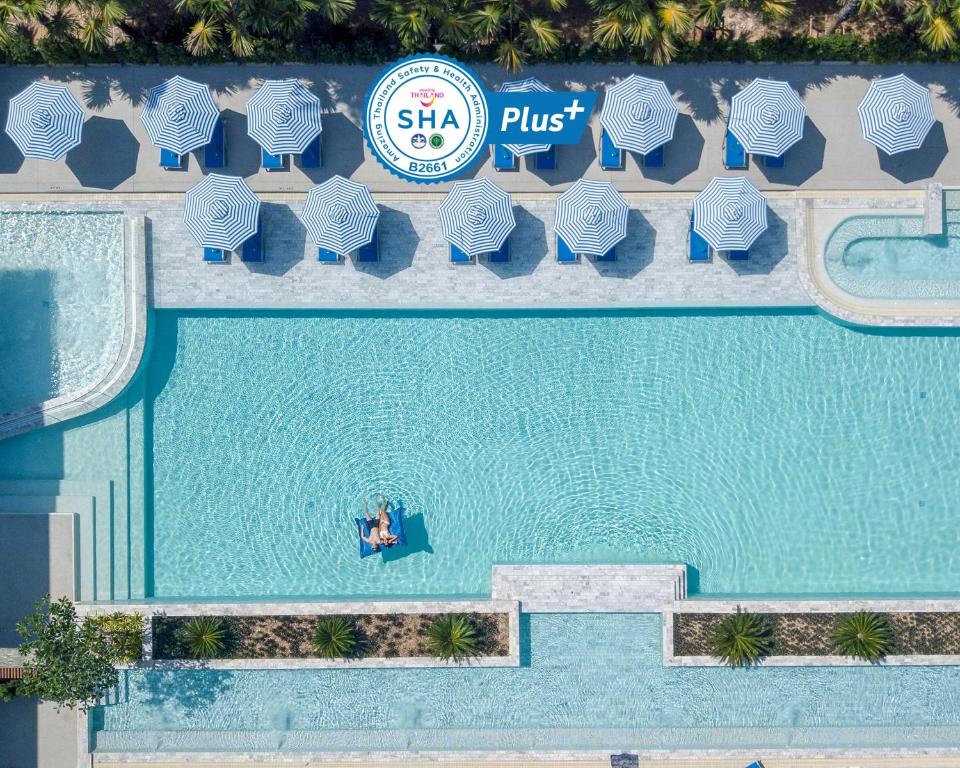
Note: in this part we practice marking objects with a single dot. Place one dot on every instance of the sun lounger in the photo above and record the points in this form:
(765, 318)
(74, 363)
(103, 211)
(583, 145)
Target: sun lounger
(610, 255)
(395, 527)
(273, 162)
(311, 155)
(654, 159)
(504, 159)
(738, 255)
(327, 256)
(611, 156)
(564, 254)
(699, 248)
(755, 764)
(458, 256)
(253, 248)
(214, 255)
(734, 155)
(547, 160)
(215, 153)
(170, 160)
(370, 251)
(772, 161)
(501, 255)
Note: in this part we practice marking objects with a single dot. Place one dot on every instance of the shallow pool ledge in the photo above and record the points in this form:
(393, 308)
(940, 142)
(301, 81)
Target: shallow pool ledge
(96, 394)
(816, 221)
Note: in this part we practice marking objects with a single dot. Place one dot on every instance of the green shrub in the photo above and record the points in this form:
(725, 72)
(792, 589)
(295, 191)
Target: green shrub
(204, 637)
(123, 633)
(863, 635)
(453, 636)
(334, 638)
(741, 639)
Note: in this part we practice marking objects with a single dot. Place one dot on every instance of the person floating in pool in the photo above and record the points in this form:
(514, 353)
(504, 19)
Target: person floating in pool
(380, 533)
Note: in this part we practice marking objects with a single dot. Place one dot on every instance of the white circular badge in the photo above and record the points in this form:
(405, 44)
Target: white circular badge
(426, 118)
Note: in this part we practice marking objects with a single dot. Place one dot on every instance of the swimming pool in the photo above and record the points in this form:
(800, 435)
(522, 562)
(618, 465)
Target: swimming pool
(775, 453)
(61, 290)
(587, 682)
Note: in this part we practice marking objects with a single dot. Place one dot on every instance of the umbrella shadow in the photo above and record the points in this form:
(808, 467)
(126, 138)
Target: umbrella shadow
(104, 136)
(418, 540)
(398, 244)
(803, 161)
(767, 251)
(634, 252)
(284, 240)
(528, 246)
(11, 160)
(342, 148)
(243, 153)
(573, 160)
(919, 164)
(681, 155)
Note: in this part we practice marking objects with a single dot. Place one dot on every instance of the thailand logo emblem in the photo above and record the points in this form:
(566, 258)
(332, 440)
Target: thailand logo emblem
(426, 95)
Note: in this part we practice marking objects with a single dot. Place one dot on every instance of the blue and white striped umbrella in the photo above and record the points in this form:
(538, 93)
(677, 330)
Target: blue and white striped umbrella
(592, 217)
(639, 114)
(180, 115)
(221, 212)
(283, 117)
(340, 215)
(45, 121)
(730, 213)
(528, 85)
(896, 114)
(767, 117)
(477, 216)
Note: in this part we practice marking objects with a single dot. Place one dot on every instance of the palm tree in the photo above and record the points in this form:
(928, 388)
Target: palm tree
(423, 24)
(16, 12)
(710, 14)
(651, 25)
(515, 31)
(935, 20)
(770, 10)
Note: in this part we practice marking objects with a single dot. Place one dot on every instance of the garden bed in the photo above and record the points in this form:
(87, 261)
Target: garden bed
(809, 634)
(384, 635)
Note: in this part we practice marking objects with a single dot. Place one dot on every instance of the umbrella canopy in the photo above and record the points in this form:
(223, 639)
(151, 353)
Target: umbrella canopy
(639, 114)
(767, 117)
(340, 215)
(528, 85)
(283, 117)
(592, 217)
(221, 212)
(477, 216)
(896, 114)
(730, 213)
(180, 115)
(45, 121)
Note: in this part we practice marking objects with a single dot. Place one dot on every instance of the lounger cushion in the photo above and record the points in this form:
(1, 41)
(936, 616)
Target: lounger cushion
(396, 528)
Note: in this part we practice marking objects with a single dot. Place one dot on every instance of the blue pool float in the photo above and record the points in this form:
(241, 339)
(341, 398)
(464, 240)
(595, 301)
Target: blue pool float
(396, 528)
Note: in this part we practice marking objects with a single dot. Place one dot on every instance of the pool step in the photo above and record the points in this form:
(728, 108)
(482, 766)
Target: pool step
(590, 588)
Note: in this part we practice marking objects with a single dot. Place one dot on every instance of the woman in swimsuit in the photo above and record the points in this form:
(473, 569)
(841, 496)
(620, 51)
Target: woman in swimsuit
(379, 533)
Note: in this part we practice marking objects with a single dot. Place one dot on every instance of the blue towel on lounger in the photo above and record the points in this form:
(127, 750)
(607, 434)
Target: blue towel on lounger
(396, 528)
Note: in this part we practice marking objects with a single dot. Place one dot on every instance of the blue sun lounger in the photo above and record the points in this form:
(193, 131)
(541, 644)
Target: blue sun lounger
(738, 255)
(755, 764)
(326, 256)
(215, 153)
(396, 528)
(310, 158)
(774, 161)
(610, 255)
(699, 248)
(547, 160)
(458, 256)
(371, 251)
(501, 255)
(564, 254)
(170, 160)
(654, 158)
(273, 162)
(734, 155)
(253, 248)
(214, 255)
(504, 159)
(611, 156)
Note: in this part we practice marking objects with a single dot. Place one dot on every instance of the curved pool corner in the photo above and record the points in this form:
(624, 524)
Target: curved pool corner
(115, 379)
(889, 288)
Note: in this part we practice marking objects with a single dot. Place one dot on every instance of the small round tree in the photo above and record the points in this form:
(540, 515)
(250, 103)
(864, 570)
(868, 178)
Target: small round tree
(453, 636)
(863, 635)
(741, 639)
(334, 638)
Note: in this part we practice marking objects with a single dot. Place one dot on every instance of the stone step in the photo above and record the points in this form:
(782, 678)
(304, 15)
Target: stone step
(590, 588)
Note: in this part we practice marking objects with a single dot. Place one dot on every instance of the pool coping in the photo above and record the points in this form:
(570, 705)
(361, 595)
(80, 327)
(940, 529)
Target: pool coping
(98, 393)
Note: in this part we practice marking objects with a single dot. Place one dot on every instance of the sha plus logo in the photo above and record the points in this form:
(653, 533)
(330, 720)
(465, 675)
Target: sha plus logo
(426, 118)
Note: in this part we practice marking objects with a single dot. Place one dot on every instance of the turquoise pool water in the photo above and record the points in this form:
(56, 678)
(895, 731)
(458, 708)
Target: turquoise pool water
(61, 303)
(774, 453)
(588, 682)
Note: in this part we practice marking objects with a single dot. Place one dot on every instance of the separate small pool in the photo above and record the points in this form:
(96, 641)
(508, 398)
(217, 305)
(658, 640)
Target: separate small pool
(587, 682)
(61, 294)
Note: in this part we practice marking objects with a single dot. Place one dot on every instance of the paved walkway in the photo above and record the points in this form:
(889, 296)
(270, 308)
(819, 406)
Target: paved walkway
(116, 153)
